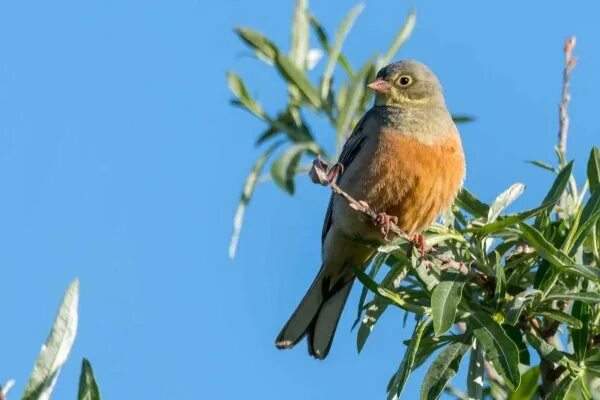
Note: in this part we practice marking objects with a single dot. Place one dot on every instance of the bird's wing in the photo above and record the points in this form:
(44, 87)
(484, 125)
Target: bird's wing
(351, 148)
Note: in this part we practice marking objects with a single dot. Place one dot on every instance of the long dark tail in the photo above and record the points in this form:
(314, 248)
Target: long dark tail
(317, 316)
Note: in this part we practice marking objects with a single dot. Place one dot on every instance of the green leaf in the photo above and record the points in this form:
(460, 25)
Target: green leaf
(581, 312)
(504, 200)
(593, 170)
(442, 370)
(445, 299)
(462, 118)
(529, 385)
(335, 51)
(372, 314)
(88, 389)
(475, 374)
(515, 307)
(471, 204)
(586, 297)
(563, 387)
(245, 197)
(300, 34)
(500, 277)
(400, 38)
(262, 46)
(550, 353)
(500, 350)
(516, 335)
(283, 170)
(238, 88)
(560, 316)
(542, 165)
(352, 103)
(591, 273)
(297, 77)
(401, 376)
(557, 189)
(543, 247)
(589, 217)
(402, 298)
(56, 349)
(324, 42)
(380, 259)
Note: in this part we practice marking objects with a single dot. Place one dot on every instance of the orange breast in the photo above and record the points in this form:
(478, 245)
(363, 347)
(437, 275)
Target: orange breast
(412, 180)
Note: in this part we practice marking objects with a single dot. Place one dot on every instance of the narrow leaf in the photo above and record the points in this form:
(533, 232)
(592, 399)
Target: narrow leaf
(298, 78)
(560, 316)
(591, 273)
(300, 34)
(445, 299)
(337, 48)
(401, 377)
(529, 385)
(88, 389)
(504, 200)
(400, 39)
(515, 307)
(475, 374)
(462, 118)
(442, 370)
(557, 189)
(516, 335)
(580, 336)
(563, 387)
(588, 298)
(593, 170)
(500, 350)
(56, 349)
(589, 217)
(549, 352)
(245, 197)
(471, 204)
(262, 46)
(238, 88)
(283, 170)
(543, 247)
(542, 165)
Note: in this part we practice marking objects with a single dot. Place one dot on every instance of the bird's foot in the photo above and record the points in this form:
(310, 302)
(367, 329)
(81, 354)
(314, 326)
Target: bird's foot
(385, 223)
(418, 240)
(334, 172)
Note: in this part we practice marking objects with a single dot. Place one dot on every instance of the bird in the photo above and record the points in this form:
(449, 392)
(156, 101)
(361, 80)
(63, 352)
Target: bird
(405, 159)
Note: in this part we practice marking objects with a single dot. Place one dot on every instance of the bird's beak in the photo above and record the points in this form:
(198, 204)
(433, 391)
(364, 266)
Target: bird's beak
(380, 86)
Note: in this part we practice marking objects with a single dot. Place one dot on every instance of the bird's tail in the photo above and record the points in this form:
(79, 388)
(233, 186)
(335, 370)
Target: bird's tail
(318, 314)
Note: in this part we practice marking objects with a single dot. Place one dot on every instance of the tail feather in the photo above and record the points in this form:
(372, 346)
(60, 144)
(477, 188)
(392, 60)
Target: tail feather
(322, 330)
(304, 315)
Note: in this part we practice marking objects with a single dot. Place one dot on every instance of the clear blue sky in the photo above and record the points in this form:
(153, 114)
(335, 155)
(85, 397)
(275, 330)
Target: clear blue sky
(121, 162)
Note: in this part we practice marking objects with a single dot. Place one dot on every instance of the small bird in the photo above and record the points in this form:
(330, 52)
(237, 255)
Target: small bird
(405, 159)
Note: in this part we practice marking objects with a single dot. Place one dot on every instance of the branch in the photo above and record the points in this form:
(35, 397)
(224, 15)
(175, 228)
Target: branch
(322, 174)
(563, 107)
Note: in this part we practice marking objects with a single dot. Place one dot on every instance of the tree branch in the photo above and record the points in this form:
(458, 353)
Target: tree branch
(563, 107)
(322, 174)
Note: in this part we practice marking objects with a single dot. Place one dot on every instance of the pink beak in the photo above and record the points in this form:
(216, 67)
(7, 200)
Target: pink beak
(380, 86)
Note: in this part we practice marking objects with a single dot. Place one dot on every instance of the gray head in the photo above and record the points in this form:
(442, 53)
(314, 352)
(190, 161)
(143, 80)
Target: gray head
(407, 83)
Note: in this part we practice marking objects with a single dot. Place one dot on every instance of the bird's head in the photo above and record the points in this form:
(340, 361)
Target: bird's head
(405, 84)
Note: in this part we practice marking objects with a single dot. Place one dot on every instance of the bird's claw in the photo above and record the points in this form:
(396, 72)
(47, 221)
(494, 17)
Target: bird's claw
(418, 240)
(385, 223)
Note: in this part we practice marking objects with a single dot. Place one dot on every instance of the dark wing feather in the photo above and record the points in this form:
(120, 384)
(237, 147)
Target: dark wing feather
(351, 148)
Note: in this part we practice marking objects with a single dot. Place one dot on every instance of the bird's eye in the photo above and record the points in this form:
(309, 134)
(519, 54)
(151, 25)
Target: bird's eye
(405, 80)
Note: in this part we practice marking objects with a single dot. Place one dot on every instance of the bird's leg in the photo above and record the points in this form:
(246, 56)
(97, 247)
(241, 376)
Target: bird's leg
(419, 242)
(385, 222)
(334, 172)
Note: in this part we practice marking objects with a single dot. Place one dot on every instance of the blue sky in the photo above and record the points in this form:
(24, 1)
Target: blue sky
(121, 162)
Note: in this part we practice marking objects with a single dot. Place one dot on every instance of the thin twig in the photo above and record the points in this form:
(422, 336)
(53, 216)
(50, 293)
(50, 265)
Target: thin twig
(563, 108)
(319, 174)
